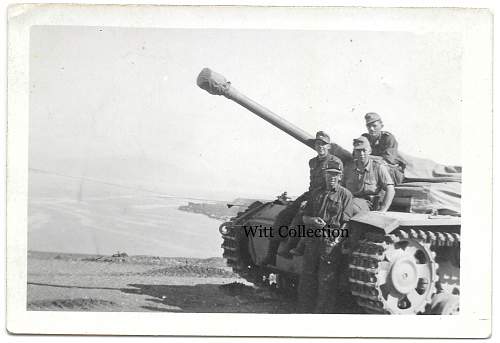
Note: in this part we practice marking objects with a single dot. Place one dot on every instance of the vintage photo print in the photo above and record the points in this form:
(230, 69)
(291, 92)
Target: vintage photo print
(283, 166)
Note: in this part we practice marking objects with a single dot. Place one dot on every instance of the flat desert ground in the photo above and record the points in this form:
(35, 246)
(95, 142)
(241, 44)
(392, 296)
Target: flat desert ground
(77, 282)
(174, 260)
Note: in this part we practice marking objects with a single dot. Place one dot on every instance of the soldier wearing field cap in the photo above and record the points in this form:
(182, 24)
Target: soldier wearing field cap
(290, 215)
(368, 179)
(384, 144)
(316, 164)
(329, 208)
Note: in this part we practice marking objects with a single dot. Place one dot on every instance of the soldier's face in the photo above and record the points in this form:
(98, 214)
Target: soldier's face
(321, 148)
(332, 179)
(361, 155)
(375, 128)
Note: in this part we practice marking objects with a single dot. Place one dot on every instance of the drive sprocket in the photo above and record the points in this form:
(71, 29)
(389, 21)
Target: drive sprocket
(393, 274)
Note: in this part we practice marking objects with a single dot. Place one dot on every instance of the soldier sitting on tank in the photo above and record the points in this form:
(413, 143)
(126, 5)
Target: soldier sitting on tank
(368, 179)
(291, 215)
(327, 210)
(384, 144)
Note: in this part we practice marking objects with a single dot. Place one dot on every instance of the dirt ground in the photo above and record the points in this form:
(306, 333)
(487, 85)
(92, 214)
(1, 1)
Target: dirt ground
(70, 282)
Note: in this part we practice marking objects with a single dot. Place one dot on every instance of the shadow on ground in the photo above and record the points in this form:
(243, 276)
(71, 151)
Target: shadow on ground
(210, 298)
(201, 298)
(69, 286)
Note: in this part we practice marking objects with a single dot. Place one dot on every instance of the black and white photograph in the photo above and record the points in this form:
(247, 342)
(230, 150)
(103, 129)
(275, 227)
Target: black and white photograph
(307, 162)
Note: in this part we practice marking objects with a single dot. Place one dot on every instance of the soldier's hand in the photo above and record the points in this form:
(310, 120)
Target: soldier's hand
(315, 222)
(318, 222)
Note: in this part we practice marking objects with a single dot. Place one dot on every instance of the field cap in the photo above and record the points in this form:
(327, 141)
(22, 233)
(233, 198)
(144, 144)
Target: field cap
(361, 143)
(334, 166)
(371, 117)
(322, 136)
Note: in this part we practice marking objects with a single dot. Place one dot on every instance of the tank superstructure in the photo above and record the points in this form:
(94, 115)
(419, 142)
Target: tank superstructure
(399, 262)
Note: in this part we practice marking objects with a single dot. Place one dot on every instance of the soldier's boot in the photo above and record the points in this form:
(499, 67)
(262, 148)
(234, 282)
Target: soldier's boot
(299, 249)
(272, 249)
(284, 249)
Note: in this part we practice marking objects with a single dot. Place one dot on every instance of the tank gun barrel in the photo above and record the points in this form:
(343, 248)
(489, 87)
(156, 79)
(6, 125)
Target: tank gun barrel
(217, 84)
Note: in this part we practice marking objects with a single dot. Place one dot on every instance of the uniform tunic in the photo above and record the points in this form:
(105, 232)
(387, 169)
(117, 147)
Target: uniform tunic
(370, 180)
(334, 207)
(319, 281)
(386, 147)
(316, 181)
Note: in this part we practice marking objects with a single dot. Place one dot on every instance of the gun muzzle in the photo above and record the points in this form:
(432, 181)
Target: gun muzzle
(217, 84)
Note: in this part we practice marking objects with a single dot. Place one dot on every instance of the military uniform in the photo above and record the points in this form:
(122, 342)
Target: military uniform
(367, 183)
(316, 167)
(319, 281)
(287, 215)
(386, 146)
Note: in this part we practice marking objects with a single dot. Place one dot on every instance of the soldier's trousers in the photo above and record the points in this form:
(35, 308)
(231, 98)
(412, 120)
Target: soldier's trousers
(319, 282)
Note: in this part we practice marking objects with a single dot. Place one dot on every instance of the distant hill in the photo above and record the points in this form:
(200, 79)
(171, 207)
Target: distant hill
(221, 210)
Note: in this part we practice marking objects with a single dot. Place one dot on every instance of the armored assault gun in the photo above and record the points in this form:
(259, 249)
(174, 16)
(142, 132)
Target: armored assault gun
(404, 261)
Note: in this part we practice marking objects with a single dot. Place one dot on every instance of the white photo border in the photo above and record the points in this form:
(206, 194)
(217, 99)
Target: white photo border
(475, 25)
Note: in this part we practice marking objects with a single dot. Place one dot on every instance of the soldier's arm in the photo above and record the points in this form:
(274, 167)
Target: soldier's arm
(315, 222)
(309, 217)
(390, 149)
(388, 186)
(311, 174)
(348, 212)
(388, 197)
(308, 212)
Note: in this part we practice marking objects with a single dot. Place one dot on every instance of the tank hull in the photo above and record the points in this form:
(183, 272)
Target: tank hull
(382, 248)
(404, 262)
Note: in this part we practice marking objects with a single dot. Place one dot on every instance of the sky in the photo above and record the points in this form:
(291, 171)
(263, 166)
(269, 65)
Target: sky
(122, 105)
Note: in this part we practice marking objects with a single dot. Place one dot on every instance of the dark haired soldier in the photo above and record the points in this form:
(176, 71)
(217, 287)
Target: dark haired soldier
(328, 208)
(384, 144)
(285, 217)
(368, 179)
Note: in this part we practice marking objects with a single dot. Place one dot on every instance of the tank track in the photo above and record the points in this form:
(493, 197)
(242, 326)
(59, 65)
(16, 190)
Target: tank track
(233, 253)
(235, 246)
(367, 259)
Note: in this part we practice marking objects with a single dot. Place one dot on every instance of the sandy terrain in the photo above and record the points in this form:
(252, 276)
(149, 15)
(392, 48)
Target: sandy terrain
(71, 282)
(87, 223)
